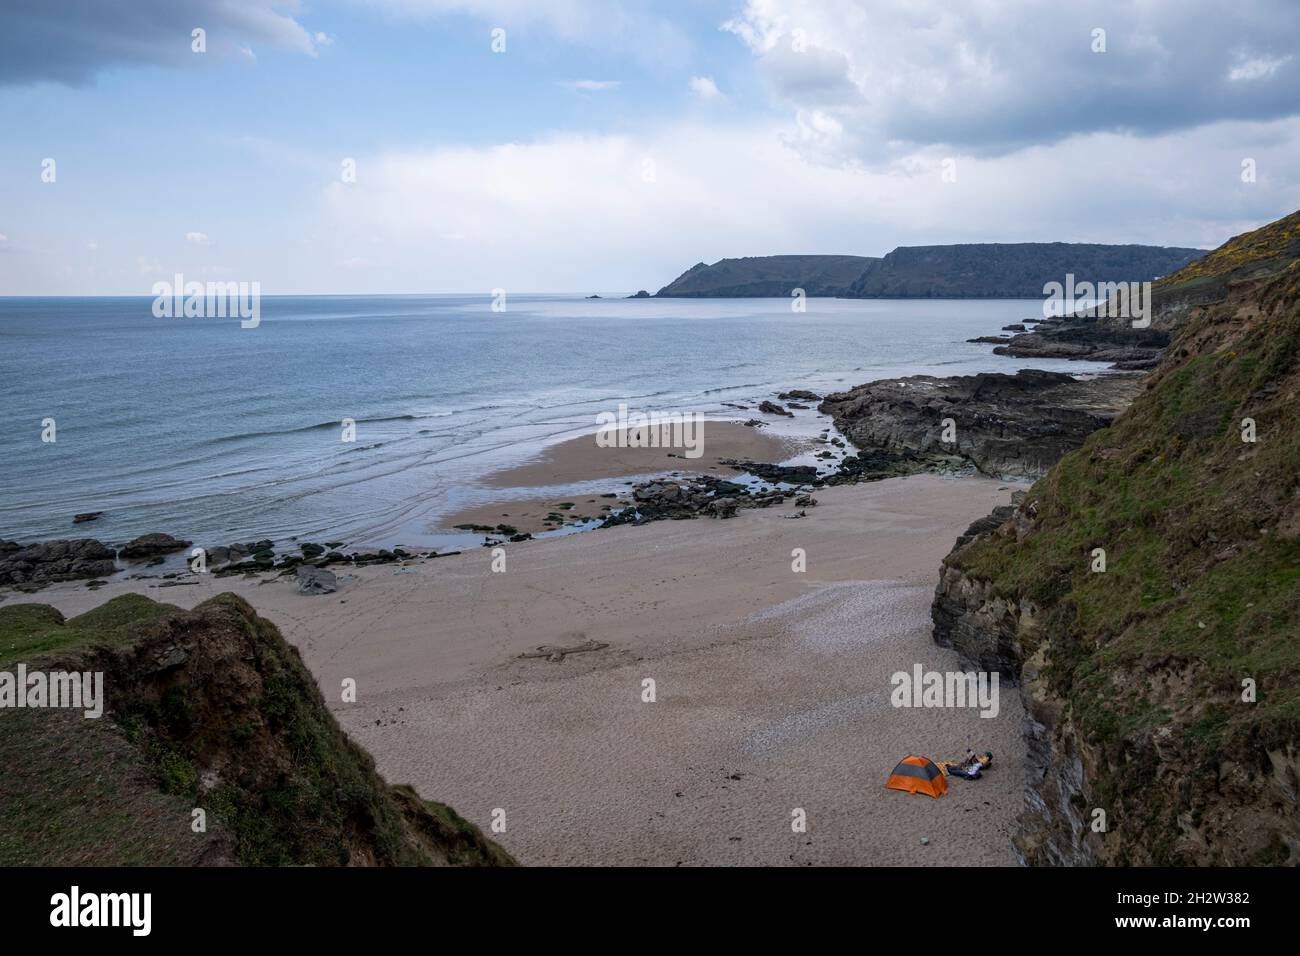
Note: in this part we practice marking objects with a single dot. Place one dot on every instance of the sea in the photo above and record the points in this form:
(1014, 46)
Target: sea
(207, 430)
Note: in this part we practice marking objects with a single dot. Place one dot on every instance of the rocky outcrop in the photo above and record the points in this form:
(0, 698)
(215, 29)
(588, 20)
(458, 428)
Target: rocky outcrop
(1002, 425)
(48, 561)
(1082, 337)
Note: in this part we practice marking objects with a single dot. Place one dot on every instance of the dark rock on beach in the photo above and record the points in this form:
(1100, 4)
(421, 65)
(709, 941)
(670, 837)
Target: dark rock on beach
(47, 561)
(1004, 425)
(788, 474)
(151, 546)
(704, 496)
(316, 580)
(87, 516)
(772, 408)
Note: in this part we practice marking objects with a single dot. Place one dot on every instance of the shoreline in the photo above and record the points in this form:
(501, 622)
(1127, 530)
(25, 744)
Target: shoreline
(772, 685)
(522, 690)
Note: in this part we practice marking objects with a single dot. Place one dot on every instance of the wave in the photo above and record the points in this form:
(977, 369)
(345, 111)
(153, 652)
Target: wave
(320, 426)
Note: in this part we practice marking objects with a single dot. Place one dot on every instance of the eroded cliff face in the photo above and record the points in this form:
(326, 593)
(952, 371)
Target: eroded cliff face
(1145, 595)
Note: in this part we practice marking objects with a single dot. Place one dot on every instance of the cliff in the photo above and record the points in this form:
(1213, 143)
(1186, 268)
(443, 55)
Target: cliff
(209, 709)
(1163, 688)
(767, 276)
(978, 270)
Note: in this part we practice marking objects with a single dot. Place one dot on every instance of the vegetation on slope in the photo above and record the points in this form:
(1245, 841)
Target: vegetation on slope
(206, 709)
(1201, 593)
(981, 270)
(1011, 269)
(768, 276)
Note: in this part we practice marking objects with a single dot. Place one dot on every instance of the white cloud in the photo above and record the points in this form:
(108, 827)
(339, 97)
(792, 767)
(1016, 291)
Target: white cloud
(197, 238)
(591, 86)
(994, 77)
(571, 212)
(704, 88)
(1257, 68)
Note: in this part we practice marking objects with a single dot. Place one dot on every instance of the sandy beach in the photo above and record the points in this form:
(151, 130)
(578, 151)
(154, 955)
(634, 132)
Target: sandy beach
(515, 498)
(771, 686)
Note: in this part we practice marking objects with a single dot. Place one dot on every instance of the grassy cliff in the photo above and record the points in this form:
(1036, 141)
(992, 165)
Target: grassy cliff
(209, 709)
(1140, 676)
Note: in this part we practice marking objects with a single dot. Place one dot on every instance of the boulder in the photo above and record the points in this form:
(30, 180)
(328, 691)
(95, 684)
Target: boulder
(316, 580)
(151, 546)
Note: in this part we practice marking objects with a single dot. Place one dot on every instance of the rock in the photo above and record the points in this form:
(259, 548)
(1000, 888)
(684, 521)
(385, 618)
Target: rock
(86, 516)
(313, 580)
(640, 294)
(1084, 337)
(1005, 425)
(772, 408)
(755, 423)
(774, 474)
(800, 393)
(723, 507)
(47, 561)
(150, 546)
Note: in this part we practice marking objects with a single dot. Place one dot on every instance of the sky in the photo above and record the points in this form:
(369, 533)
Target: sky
(602, 146)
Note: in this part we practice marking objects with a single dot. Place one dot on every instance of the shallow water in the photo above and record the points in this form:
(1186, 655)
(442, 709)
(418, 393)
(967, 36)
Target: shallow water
(218, 433)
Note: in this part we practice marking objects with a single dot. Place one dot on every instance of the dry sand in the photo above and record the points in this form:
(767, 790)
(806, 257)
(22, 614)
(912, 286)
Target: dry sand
(772, 687)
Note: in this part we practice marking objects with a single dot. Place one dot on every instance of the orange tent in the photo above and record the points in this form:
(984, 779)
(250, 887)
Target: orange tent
(918, 775)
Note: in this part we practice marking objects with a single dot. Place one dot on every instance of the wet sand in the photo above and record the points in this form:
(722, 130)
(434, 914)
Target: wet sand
(771, 687)
(581, 459)
(518, 504)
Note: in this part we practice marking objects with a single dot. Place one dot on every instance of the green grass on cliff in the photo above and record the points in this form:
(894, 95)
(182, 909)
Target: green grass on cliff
(236, 726)
(31, 631)
(1265, 249)
(1202, 537)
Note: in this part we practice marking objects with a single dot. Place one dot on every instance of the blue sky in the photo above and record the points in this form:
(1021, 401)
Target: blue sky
(612, 145)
